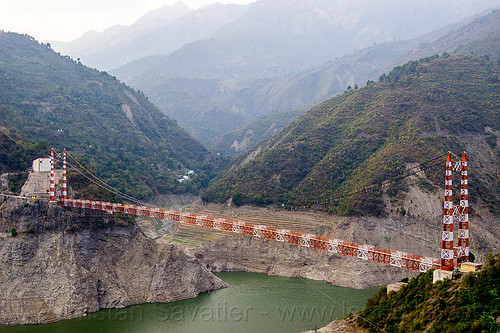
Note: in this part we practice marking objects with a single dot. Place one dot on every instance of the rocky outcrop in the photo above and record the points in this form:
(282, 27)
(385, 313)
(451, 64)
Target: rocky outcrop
(52, 274)
(413, 235)
(348, 325)
(244, 253)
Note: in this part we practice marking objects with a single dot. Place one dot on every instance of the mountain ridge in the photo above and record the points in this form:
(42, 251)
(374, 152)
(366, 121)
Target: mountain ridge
(363, 136)
(248, 73)
(159, 31)
(114, 129)
(478, 35)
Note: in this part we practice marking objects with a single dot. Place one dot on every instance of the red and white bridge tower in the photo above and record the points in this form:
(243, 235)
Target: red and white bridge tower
(452, 256)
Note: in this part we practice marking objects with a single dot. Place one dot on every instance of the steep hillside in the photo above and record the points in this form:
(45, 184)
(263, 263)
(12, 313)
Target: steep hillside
(362, 137)
(245, 67)
(479, 35)
(17, 153)
(276, 38)
(16, 156)
(114, 129)
(465, 304)
(160, 31)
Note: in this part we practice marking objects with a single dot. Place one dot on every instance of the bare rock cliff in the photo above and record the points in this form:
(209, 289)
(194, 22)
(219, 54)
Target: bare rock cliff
(244, 253)
(48, 274)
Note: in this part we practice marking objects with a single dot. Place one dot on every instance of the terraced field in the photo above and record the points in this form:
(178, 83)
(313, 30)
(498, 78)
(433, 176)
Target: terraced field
(194, 236)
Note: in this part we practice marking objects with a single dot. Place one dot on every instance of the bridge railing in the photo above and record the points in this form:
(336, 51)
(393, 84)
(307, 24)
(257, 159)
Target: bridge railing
(361, 251)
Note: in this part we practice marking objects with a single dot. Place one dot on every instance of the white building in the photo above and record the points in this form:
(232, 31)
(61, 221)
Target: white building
(41, 164)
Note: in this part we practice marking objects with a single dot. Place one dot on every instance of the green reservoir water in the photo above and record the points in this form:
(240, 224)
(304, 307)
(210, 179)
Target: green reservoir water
(254, 303)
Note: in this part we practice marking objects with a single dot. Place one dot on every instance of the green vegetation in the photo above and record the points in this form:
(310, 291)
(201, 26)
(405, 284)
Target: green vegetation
(17, 152)
(13, 232)
(362, 137)
(16, 156)
(16, 181)
(82, 188)
(85, 189)
(114, 129)
(470, 303)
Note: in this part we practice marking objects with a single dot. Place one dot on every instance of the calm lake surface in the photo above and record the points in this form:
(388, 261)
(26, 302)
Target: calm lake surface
(254, 303)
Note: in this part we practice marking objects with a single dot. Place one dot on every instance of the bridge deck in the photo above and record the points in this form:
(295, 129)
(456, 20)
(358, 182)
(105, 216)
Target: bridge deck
(361, 251)
(193, 235)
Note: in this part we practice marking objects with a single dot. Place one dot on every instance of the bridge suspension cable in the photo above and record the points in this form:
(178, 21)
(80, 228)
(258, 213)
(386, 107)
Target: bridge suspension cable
(362, 251)
(99, 182)
(392, 179)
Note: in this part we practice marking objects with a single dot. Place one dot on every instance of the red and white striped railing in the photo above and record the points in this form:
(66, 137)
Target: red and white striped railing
(361, 251)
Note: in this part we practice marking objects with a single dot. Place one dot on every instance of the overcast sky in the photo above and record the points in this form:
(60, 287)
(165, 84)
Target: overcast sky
(64, 20)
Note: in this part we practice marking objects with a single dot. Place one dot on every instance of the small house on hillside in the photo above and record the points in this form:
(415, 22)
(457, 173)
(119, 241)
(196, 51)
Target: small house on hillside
(41, 164)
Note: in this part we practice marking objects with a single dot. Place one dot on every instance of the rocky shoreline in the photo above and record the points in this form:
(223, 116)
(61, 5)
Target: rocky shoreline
(348, 325)
(48, 274)
(249, 254)
(65, 263)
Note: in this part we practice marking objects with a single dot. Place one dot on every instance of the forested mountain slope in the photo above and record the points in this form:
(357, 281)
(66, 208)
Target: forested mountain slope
(114, 129)
(362, 137)
(468, 303)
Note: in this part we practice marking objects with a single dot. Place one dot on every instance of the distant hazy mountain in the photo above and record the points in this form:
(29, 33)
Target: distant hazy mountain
(480, 36)
(113, 128)
(219, 84)
(280, 37)
(160, 31)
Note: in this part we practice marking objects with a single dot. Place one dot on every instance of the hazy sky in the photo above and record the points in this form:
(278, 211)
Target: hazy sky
(64, 20)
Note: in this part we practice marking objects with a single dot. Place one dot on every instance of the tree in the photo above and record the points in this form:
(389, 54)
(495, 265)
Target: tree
(237, 199)
(258, 199)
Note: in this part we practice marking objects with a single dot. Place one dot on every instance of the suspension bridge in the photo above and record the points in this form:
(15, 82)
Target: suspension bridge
(451, 255)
